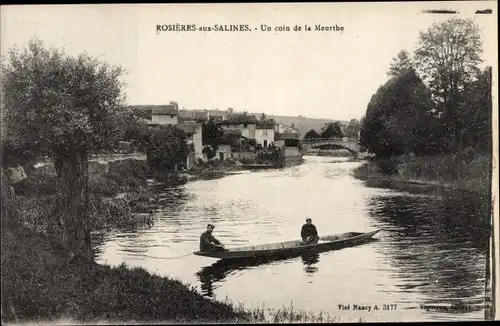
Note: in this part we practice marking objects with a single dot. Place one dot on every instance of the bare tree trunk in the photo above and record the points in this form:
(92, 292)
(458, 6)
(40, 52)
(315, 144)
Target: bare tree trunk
(74, 176)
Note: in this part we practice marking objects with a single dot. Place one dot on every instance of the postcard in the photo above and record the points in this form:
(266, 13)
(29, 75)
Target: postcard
(249, 163)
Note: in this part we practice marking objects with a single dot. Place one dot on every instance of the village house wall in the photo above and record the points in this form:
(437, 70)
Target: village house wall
(224, 152)
(165, 119)
(264, 137)
(198, 144)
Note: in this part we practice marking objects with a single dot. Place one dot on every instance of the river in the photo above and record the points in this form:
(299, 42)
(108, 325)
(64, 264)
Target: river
(431, 251)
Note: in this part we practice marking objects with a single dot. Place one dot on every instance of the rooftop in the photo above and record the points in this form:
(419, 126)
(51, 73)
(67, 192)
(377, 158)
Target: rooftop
(286, 135)
(265, 125)
(239, 119)
(168, 109)
(189, 127)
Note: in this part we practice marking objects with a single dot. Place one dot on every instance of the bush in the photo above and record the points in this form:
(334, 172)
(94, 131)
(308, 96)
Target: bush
(130, 167)
(215, 162)
(37, 184)
(116, 177)
(104, 186)
(39, 282)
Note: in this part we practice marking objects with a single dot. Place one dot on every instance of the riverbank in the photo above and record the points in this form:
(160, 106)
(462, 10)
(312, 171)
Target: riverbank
(214, 169)
(465, 172)
(41, 283)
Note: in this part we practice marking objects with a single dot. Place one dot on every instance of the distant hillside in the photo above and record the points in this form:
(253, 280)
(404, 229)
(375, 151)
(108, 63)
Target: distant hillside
(303, 124)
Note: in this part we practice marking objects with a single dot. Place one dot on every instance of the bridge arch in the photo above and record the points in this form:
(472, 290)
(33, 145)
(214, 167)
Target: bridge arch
(334, 146)
(350, 144)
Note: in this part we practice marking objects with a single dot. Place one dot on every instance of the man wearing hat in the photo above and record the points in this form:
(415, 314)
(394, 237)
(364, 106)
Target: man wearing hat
(309, 233)
(208, 242)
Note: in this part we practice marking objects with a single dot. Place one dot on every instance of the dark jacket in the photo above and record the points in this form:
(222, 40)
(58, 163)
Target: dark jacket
(308, 231)
(206, 240)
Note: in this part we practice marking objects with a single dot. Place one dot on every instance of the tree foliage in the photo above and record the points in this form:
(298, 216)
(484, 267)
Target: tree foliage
(65, 108)
(397, 118)
(331, 130)
(401, 64)
(438, 102)
(352, 128)
(167, 148)
(311, 134)
(212, 135)
(55, 103)
(448, 56)
(474, 116)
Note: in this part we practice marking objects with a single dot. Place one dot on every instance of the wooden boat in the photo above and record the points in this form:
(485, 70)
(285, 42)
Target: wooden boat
(293, 248)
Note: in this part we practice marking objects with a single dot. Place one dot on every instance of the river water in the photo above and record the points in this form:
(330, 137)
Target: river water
(431, 251)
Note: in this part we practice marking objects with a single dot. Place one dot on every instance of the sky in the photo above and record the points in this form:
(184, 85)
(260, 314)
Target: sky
(319, 74)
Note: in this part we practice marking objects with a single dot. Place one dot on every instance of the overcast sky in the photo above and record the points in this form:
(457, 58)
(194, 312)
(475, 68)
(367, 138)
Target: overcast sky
(315, 74)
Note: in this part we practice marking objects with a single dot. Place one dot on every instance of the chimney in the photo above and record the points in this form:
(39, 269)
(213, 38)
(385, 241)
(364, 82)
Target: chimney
(230, 111)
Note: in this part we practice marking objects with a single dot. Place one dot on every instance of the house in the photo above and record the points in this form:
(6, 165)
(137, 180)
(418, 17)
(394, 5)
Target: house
(282, 140)
(204, 115)
(193, 131)
(289, 143)
(161, 114)
(284, 129)
(219, 115)
(193, 115)
(264, 133)
(244, 124)
(223, 152)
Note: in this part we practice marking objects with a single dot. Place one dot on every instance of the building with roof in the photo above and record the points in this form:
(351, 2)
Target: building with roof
(193, 131)
(264, 133)
(243, 123)
(284, 129)
(161, 114)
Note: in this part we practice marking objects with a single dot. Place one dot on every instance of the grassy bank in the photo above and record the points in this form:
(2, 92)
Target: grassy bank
(41, 283)
(463, 172)
(118, 198)
(214, 169)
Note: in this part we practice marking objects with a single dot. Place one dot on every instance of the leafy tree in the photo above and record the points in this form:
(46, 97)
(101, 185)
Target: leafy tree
(167, 148)
(231, 138)
(401, 64)
(475, 114)
(135, 126)
(212, 135)
(353, 128)
(64, 108)
(312, 134)
(331, 130)
(448, 55)
(397, 118)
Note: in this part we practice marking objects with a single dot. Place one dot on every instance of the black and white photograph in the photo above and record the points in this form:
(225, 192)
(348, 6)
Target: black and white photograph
(249, 163)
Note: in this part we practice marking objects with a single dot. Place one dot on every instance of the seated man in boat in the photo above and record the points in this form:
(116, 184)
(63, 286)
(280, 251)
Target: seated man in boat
(309, 233)
(208, 242)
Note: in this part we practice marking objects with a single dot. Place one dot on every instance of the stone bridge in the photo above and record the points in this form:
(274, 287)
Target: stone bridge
(351, 144)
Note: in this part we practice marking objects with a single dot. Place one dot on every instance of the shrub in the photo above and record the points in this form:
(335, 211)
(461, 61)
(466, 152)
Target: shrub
(37, 184)
(117, 177)
(104, 186)
(130, 167)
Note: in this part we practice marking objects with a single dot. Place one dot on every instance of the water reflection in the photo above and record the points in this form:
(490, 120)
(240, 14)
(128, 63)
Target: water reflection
(172, 199)
(217, 272)
(211, 276)
(310, 261)
(436, 246)
(433, 248)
